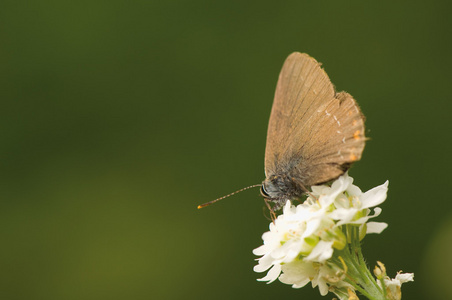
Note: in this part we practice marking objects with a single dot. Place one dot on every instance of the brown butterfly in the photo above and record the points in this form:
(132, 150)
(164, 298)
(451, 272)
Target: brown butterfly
(314, 133)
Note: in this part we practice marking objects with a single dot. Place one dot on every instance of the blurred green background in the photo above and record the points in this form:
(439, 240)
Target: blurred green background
(119, 117)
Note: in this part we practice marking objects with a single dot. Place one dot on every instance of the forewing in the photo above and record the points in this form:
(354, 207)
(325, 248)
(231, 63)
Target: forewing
(314, 133)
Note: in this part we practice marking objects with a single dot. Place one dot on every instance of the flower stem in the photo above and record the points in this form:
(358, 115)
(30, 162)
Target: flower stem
(358, 274)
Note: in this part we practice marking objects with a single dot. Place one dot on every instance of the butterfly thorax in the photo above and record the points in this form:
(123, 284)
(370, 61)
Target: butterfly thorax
(279, 188)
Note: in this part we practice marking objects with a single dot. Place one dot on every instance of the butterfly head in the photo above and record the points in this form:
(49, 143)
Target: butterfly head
(277, 188)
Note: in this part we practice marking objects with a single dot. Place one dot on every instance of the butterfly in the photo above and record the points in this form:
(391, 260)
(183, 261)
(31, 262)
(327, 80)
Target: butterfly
(314, 133)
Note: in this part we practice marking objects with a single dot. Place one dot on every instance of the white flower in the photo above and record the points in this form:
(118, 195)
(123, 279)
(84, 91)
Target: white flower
(301, 272)
(289, 237)
(298, 273)
(302, 240)
(393, 286)
(352, 205)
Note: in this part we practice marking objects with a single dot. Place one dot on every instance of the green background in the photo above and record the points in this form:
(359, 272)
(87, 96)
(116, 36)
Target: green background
(119, 117)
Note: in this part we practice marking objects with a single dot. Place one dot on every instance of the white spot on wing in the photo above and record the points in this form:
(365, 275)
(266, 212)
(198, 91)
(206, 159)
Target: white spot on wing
(337, 121)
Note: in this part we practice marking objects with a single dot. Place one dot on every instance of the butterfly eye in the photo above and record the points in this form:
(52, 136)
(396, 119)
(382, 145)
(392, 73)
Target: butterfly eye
(264, 192)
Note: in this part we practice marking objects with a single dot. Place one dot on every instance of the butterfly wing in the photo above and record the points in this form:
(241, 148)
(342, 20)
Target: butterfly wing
(314, 133)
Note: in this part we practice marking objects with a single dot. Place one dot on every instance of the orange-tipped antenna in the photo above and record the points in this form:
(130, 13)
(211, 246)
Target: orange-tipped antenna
(241, 190)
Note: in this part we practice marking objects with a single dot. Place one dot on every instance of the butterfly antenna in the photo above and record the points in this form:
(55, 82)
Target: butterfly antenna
(229, 195)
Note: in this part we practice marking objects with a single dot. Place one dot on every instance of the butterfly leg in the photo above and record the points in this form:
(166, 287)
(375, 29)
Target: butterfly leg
(270, 209)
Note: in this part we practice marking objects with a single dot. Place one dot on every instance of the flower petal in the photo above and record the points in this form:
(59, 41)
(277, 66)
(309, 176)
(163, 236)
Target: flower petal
(375, 196)
(404, 277)
(321, 252)
(272, 274)
(261, 250)
(376, 227)
(297, 273)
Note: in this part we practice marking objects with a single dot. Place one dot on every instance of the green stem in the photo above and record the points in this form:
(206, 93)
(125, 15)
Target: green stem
(358, 275)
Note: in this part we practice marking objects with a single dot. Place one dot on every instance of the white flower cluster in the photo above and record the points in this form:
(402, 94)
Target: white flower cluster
(302, 240)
